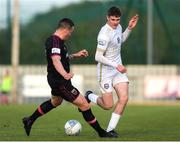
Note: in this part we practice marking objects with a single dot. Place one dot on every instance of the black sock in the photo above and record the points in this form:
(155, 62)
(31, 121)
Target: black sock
(41, 110)
(89, 117)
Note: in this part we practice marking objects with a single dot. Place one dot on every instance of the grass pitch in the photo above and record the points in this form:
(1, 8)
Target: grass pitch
(139, 123)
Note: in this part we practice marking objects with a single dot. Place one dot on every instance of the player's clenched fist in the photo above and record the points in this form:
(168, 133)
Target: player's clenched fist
(121, 68)
(68, 76)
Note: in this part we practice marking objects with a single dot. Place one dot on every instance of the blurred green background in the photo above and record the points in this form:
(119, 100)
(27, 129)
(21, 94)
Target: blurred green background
(89, 17)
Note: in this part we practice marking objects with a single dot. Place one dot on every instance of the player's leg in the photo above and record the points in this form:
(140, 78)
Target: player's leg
(121, 88)
(44, 108)
(4, 98)
(71, 94)
(106, 100)
(122, 93)
(84, 106)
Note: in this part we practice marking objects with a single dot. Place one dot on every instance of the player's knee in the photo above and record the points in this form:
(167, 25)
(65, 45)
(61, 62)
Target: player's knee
(56, 102)
(85, 105)
(108, 106)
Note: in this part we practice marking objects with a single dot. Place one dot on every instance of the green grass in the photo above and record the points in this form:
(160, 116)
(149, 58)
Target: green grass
(140, 123)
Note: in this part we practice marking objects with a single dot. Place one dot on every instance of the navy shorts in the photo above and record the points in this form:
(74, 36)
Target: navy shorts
(65, 90)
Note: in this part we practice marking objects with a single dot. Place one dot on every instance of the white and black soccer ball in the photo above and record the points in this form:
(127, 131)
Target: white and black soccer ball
(72, 128)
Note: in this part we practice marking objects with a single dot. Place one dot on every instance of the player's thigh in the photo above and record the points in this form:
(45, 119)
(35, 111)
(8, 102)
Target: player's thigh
(81, 103)
(121, 89)
(120, 84)
(106, 89)
(66, 91)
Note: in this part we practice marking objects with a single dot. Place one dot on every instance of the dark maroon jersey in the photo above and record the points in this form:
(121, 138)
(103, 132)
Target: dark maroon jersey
(55, 46)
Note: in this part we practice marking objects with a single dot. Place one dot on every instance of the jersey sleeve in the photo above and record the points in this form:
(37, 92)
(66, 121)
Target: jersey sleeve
(55, 48)
(125, 34)
(102, 41)
(99, 57)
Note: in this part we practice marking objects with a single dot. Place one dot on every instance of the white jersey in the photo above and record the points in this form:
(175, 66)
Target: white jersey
(109, 41)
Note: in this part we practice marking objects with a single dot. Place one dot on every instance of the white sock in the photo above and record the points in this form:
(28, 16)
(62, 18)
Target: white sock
(93, 97)
(113, 122)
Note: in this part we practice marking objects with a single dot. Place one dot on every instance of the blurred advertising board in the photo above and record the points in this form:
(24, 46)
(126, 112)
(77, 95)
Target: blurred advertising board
(162, 87)
(37, 85)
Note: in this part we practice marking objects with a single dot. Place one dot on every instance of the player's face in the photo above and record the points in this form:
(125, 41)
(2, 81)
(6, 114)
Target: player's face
(68, 32)
(113, 21)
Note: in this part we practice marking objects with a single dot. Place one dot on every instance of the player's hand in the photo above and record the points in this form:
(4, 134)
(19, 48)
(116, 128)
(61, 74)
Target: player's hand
(121, 68)
(133, 22)
(82, 53)
(68, 76)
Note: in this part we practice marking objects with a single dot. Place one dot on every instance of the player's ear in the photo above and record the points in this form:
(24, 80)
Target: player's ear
(107, 17)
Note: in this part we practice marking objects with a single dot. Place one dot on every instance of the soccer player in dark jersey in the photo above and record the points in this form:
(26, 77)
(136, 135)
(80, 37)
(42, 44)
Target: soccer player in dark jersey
(59, 79)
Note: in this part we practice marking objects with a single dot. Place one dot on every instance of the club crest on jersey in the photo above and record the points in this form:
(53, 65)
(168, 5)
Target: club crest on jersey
(106, 86)
(118, 40)
(102, 42)
(56, 50)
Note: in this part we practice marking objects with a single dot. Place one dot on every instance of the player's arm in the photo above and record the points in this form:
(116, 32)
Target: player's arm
(82, 53)
(132, 24)
(99, 57)
(125, 34)
(103, 40)
(59, 67)
(100, 51)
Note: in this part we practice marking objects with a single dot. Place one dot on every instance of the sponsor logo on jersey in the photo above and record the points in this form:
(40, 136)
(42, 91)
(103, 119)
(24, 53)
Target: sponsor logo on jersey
(106, 86)
(102, 42)
(56, 50)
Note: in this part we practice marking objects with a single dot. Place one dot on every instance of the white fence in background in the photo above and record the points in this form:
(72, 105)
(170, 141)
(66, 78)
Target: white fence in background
(33, 86)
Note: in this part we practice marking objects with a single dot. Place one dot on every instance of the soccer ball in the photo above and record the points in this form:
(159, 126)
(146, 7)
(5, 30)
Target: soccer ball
(72, 128)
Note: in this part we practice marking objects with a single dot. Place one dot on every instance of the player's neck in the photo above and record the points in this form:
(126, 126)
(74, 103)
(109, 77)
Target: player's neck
(60, 34)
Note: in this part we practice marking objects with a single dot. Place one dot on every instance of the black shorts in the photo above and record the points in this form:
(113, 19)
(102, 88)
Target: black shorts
(65, 90)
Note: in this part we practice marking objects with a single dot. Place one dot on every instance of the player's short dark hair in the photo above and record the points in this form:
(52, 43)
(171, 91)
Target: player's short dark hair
(114, 11)
(65, 23)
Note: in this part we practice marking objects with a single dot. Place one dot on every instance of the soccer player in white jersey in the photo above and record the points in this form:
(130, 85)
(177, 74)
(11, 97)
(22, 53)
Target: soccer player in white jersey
(110, 70)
